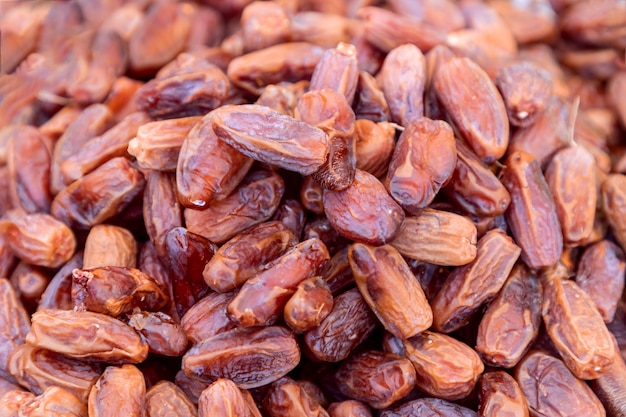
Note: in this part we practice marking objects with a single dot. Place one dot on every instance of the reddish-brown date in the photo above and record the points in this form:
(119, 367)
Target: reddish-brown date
(166, 399)
(254, 201)
(208, 168)
(500, 396)
(390, 289)
(561, 393)
(58, 293)
(470, 286)
(311, 195)
(374, 145)
(271, 137)
(291, 213)
(337, 70)
(477, 110)
(349, 408)
(109, 245)
(105, 339)
(119, 391)
(37, 238)
(250, 357)
(402, 79)
(337, 273)
(311, 303)
(264, 25)
(374, 217)
(163, 335)
(222, 398)
(511, 321)
(422, 162)
(246, 254)
(161, 209)
(576, 328)
(12, 401)
(287, 397)
(436, 357)
(262, 298)
(208, 317)
(376, 378)
(600, 274)
(38, 369)
(532, 216)
(474, 187)
(99, 195)
(14, 324)
(614, 204)
(429, 407)
(115, 290)
(349, 323)
(369, 102)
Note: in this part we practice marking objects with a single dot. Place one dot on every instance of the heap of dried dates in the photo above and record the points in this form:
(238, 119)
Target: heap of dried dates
(312, 208)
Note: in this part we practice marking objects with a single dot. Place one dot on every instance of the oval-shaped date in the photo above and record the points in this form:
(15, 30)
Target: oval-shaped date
(500, 395)
(390, 289)
(119, 391)
(250, 357)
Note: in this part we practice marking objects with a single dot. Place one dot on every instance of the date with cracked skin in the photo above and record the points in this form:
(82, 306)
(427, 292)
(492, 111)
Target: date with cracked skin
(223, 398)
(166, 399)
(500, 395)
(88, 336)
(364, 211)
(121, 391)
(251, 357)
(272, 137)
(115, 290)
(286, 398)
(390, 289)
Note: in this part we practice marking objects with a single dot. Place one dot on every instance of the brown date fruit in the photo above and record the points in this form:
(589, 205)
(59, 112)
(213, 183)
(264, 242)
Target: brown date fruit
(434, 407)
(262, 298)
(208, 317)
(109, 245)
(14, 324)
(500, 395)
(163, 335)
(436, 357)
(375, 218)
(58, 293)
(161, 209)
(311, 195)
(374, 145)
(263, 25)
(390, 289)
(561, 393)
(311, 303)
(246, 254)
(532, 215)
(349, 408)
(369, 102)
(511, 321)
(286, 398)
(338, 71)
(166, 399)
(119, 391)
(251, 357)
(614, 203)
(376, 378)
(54, 402)
(470, 286)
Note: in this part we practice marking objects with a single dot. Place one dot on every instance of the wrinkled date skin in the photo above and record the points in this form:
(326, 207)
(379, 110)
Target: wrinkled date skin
(560, 392)
(571, 177)
(576, 328)
(614, 203)
(474, 187)
(262, 298)
(329, 111)
(208, 168)
(58, 293)
(364, 211)
(402, 78)
(532, 215)
(422, 162)
(600, 274)
(349, 408)
(208, 317)
(436, 357)
(337, 70)
(271, 137)
(370, 103)
(429, 407)
(99, 195)
(311, 303)
(476, 109)
(119, 391)
(511, 321)
(390, 289)
(115, 290)
(222, 398)
(349, 323)
(500, 396)
(109, 245)
(166, 399)
(438, 237)
(246, 254)
(468, 287)
(54, 401)
(38, 369)
(250, 357)
(374, 145)
(38, 238)
(377, 378)
(255, 200)
(86, 335)
(287, 398)
(163, 335)
(14, 324)
(161, 209)
(285, 62)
